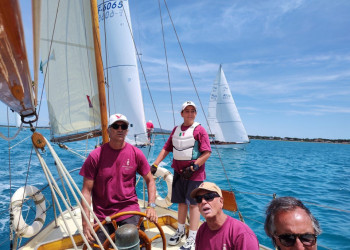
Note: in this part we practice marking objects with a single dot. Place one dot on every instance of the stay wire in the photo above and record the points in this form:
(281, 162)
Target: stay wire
(143, 72)
(107, 67)
(48, 61)
(10, 177)
(166, 60)
(195, 88)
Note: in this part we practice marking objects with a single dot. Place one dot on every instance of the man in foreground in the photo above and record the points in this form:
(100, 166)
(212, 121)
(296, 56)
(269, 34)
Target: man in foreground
(291, 225)
(220, 231)
(109, 179)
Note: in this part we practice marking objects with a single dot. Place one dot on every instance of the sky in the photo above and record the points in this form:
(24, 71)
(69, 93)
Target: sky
(287, 62)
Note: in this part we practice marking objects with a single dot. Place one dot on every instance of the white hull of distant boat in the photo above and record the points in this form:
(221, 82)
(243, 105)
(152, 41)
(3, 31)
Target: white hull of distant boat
(224, 120)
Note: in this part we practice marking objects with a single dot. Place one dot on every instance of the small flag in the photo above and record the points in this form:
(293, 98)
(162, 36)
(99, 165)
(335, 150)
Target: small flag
(90, 104)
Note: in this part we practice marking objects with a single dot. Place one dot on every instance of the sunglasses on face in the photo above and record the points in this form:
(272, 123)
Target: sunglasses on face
(116, 126)
(207, 197)
(289, 240)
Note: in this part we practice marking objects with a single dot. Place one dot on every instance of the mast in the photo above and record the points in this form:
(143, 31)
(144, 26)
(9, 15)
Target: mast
(99, 69)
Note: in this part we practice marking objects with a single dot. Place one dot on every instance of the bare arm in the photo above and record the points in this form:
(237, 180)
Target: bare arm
(203, 158)
(163, 153)
(86, 191)
(151, 187)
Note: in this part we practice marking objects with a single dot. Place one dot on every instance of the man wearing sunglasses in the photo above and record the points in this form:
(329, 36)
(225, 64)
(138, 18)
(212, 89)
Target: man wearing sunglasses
(109, 179)
(220, 231)
(291, 225)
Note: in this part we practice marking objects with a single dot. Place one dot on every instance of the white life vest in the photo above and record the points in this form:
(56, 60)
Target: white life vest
(185, 147)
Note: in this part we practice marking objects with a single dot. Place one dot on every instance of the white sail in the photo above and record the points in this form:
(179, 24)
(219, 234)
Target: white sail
(223, 117)
(119, 60)
(18, 120)
(68, 64)
(213, 123)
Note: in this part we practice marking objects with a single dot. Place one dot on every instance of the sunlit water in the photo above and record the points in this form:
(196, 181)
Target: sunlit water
(316, 173)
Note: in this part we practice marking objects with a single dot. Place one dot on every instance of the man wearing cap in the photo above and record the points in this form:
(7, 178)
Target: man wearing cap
(220, 231)
(190, 145)
(109, 179)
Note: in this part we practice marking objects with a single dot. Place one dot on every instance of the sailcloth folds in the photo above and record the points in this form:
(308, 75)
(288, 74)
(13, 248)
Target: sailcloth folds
(68, 64)
(119, 60)
(223, 117)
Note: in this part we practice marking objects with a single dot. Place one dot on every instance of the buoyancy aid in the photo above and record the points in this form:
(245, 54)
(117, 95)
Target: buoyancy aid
(185, 147)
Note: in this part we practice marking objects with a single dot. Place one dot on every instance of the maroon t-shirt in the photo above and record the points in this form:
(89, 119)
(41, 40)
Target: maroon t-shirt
(114, 175)
(233, 235)
(202, 137)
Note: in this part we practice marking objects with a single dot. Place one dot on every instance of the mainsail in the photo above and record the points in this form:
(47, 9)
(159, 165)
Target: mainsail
(68, 64)
(119, 60)
(223, 117)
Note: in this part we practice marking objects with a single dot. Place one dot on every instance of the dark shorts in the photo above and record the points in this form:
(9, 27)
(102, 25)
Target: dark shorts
(110, 228)
(181, 190)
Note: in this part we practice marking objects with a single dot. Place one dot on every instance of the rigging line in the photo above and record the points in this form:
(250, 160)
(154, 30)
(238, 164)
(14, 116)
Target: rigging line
(68, 178)
(166, 60)
(143, 72)
(107, 71)
(87, 55)
(242, 192)
(10, 177)
(194, 85)
(48, 175)
(324, 206)
(20, 142)
(47, 65)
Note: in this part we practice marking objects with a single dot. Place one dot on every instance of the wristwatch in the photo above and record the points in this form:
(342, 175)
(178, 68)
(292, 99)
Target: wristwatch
(151, 205)
(195, 167)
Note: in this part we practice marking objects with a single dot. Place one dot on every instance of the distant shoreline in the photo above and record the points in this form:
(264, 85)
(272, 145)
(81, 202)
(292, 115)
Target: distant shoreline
(254, 137)
(318, 140)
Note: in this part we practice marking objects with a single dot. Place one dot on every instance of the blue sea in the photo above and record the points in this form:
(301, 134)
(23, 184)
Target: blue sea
(316, 173)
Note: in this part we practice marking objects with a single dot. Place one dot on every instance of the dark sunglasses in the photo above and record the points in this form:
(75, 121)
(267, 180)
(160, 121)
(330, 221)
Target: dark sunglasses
(289, 240)
(123, 126)
(207, 197)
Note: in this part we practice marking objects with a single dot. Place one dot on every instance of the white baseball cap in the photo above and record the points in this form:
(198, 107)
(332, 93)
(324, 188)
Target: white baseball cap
(188, 103)
(116, 118)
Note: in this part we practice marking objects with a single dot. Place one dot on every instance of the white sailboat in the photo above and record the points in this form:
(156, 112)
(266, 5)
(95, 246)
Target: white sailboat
(73, 78)
(223, 117)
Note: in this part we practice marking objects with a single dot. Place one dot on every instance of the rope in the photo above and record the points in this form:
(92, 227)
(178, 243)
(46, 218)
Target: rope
(8, 138)
(67, 176)
(52, 182)
(143, 72)
(20, 142)
(166, 60)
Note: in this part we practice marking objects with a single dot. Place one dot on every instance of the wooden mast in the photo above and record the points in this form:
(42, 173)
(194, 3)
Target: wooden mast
(99, 69)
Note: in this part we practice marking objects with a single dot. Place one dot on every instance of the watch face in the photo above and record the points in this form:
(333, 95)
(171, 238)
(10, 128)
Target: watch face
(152, 205)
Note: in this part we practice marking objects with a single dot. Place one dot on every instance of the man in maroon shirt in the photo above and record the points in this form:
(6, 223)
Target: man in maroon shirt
(109, 179)
(220, 231)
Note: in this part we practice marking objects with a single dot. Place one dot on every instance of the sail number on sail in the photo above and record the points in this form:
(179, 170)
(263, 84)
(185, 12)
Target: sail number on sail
(106, 9)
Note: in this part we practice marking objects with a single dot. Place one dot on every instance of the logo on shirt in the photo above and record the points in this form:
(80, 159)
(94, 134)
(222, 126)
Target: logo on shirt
(182, 134)
(127, 165)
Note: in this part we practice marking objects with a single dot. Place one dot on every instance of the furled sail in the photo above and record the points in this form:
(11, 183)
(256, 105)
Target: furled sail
(119, 60)
(69, 68)
(224, 119)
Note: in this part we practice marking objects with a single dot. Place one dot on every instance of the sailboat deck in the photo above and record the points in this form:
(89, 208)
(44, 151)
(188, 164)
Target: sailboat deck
(52, 237)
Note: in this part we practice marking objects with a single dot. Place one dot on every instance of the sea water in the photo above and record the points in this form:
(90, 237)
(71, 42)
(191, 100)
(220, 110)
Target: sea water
(316, 173)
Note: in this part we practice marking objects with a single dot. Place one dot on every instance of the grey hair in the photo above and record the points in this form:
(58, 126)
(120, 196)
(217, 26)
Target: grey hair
(286, 204)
